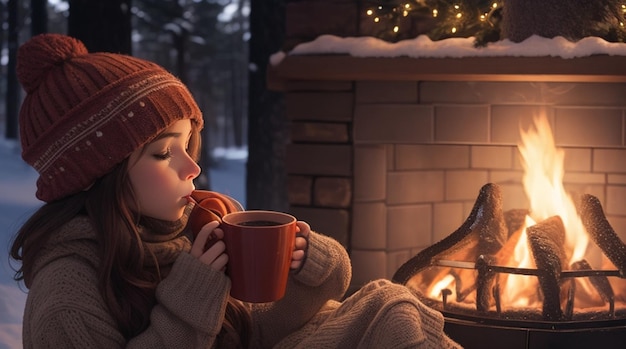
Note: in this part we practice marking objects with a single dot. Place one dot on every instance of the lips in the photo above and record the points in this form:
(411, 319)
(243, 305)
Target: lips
(190, 199)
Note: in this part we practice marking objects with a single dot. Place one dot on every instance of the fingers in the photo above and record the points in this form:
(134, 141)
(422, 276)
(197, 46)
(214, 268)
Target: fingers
(219, 233)
(303, 229)
(205, 235)
(209, 248)
(302, 234)
(297, 257)
(215, 257)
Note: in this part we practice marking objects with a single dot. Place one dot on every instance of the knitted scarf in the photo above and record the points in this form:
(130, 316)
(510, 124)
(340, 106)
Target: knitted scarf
(163, 241)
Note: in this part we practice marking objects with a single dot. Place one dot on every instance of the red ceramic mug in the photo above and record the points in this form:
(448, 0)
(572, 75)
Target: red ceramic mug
(259, 245)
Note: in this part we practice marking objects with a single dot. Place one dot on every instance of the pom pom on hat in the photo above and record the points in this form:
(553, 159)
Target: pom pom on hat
(38, 57)
(85, 112)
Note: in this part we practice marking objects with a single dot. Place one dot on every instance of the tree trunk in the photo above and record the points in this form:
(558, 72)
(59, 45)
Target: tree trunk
(239, 69)
(102, 25)
(13, 89)
(180, 43)
(266, 179)
(38, 17)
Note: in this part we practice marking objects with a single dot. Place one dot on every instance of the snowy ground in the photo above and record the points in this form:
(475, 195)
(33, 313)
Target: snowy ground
(17, 202)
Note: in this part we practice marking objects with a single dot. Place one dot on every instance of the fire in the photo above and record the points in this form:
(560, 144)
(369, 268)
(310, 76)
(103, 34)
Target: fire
(481, 270)
(444, 283)
(543, 165)
(520, 290)
(543, 183)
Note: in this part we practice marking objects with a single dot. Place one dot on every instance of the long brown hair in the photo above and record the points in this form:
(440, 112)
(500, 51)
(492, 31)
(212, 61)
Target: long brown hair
(126, 286)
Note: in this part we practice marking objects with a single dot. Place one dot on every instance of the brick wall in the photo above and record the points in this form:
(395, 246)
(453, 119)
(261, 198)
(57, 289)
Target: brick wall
(390, 167)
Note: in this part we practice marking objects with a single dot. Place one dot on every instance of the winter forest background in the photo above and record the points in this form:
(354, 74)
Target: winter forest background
(208, 44)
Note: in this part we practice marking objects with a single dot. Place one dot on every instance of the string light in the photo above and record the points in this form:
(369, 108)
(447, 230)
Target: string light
(461, 18)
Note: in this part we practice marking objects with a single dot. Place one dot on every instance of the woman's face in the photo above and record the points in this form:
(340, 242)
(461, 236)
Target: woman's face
(162, 173)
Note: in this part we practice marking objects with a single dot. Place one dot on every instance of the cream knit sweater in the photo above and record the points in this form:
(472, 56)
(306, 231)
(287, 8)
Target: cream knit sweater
(64, 308)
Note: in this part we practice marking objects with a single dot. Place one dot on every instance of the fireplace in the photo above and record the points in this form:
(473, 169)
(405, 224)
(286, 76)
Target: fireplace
(468, 278)
(378, 144)
(388, 154)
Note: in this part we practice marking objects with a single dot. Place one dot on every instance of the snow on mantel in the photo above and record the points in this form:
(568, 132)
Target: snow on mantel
(456, 59)
(423, 47)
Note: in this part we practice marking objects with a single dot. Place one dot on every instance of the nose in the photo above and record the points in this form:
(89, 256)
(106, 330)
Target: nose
(191, 170)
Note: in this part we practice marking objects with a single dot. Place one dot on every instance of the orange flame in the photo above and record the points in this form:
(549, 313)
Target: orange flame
(543, 183)
(445, 282)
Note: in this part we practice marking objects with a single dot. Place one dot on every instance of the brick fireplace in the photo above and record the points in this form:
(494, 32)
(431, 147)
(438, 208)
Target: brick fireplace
(387, 155)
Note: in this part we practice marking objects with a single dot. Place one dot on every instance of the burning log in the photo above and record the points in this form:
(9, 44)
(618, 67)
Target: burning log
(483, 233)
(546, 240)
(602, 233)
(514, 220)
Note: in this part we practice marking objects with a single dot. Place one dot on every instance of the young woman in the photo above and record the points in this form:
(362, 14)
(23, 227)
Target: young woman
(108, 260)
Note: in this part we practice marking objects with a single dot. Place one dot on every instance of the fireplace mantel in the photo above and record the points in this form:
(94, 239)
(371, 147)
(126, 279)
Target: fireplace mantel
(598, 68)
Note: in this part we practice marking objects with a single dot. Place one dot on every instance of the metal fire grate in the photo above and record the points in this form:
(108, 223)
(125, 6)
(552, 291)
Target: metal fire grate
(485, 271)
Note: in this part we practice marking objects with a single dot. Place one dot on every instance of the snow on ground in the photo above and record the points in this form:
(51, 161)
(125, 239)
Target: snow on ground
(17, 202)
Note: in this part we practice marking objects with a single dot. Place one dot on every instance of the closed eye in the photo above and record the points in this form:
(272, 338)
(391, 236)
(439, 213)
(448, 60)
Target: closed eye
(167, 154)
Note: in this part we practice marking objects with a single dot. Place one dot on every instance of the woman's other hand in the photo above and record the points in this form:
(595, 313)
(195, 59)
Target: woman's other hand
(299, 252)
(209, 248)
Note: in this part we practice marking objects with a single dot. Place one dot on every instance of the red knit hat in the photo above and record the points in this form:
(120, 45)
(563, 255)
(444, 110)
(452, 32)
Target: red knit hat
(86, 112)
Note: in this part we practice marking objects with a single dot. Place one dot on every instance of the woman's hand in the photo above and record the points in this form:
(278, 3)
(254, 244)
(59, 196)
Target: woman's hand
(209, 248)
(299, 252)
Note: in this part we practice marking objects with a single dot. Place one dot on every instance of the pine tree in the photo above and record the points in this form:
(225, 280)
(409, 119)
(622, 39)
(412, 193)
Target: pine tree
(572, 19)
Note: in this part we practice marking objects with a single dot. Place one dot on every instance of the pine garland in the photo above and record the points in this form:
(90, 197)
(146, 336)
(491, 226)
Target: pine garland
(483, 19)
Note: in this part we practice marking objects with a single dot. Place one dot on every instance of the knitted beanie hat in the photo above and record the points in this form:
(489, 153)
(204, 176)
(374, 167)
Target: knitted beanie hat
(86, 112)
